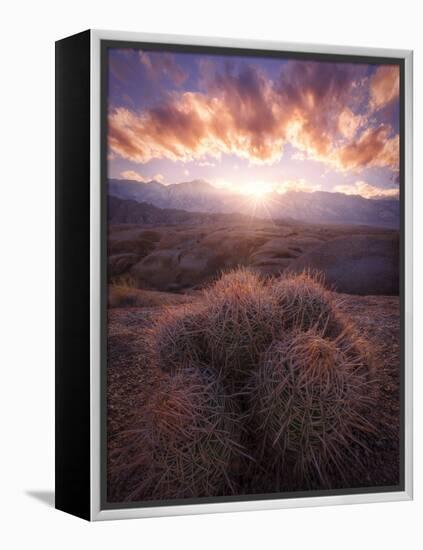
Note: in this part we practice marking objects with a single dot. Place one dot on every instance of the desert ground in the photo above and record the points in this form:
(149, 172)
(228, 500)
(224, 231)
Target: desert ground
(175, 258)
(162, 271)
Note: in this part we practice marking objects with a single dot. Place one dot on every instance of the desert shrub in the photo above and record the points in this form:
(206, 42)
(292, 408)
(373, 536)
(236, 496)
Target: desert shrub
(234, 323)
(275, 352)
(306, 303)
(242, 319)
(187, 443)
(240, 281)
(239, 317)
(309, 404)
(357, 350)
(177, 338)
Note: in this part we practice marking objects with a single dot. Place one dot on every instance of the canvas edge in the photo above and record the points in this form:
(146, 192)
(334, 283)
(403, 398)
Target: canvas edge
(408, 268)
(95, 245)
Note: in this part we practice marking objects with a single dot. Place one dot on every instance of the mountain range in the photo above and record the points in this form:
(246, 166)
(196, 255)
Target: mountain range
(128, 211)
(200, 196)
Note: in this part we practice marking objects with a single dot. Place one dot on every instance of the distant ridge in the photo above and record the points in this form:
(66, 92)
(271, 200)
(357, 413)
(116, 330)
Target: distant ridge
(121, 211)
(316, 207)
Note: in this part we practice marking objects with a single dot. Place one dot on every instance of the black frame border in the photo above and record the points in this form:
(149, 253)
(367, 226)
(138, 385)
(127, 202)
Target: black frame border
(72, 275)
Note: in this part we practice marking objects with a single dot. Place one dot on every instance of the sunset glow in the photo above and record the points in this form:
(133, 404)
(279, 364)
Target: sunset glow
(258, 124)
(254, 189)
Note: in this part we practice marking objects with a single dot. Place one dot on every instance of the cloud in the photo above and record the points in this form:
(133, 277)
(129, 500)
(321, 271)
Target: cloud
(299, 155)
(192, 126)
(367, 190)
(375, 147)
(136, 176)
(384, 86)
(296, 185)
(311, 105)
(119, 64)
(315, 94)
(142, 76)
(349, 123)
(163, 64)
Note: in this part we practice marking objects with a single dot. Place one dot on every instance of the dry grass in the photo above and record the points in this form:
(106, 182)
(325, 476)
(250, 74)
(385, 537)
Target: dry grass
(118, 264)
(124, 280)
(139, 246)
(187, 444)
(129, 296)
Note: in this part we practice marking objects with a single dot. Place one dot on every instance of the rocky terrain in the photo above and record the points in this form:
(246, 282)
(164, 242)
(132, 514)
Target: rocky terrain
(171, 255)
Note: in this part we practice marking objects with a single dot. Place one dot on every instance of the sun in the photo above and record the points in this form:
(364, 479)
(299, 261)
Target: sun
(254, 189)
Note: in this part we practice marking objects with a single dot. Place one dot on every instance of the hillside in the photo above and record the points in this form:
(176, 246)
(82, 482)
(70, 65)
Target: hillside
(134, 212)
(174, 250)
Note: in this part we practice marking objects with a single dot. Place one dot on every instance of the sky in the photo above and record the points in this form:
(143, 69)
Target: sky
(253, 124)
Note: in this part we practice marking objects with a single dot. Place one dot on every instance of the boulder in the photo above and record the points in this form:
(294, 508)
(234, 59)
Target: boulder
(158, 269)
(177, 269)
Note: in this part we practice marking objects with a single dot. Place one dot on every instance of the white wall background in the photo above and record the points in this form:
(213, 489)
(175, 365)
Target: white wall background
(28, 31)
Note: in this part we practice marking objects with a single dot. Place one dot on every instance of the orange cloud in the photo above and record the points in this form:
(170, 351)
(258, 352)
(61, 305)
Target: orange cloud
(248, 115)
(367, 190)
(349, 123)
(296, 185)
(374, 148)
(192, 126)
(136, 176)
(384, 86)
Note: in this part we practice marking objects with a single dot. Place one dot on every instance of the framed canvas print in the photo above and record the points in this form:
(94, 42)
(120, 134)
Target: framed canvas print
(233, 275)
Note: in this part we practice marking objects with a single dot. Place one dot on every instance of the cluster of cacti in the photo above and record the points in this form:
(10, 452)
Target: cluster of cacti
(307, 401)
(187, 441)
(261, 380)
